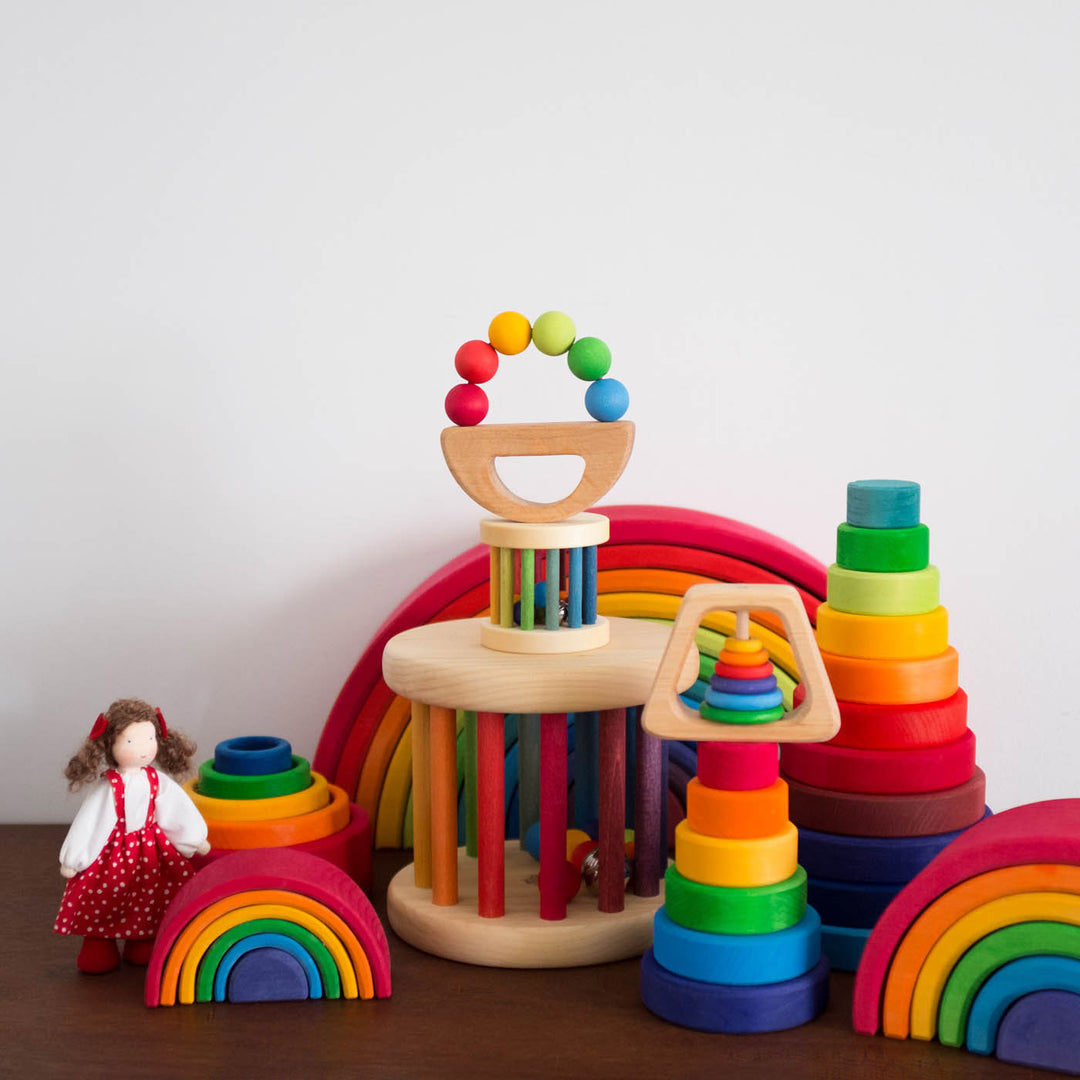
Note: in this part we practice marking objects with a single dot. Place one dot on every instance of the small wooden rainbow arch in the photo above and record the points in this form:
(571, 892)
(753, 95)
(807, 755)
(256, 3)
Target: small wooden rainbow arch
(265, 907)
(655, 553)
(994, 919)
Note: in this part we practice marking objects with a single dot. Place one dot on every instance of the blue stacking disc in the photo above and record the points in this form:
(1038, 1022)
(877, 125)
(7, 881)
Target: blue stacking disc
(883, 504)
(743, 686)
(843, 945)
(253, 755)
(845, 903)
(1009, 984)
(744, 702)
(733, 1010)
(737, 959)
(267, 941)
(880, 860)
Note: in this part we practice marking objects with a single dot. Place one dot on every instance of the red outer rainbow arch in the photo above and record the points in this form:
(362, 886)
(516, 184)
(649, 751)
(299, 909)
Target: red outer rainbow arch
(367, 720)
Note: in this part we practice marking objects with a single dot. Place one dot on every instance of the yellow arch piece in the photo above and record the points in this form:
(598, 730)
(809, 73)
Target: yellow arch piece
(966, 931)
(190, 968)
(390, 824)
(187, 938)
(662, 606)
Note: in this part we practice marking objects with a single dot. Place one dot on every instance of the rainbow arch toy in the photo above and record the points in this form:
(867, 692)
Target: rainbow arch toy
(268, 924)
(993, 923)
(654, 555)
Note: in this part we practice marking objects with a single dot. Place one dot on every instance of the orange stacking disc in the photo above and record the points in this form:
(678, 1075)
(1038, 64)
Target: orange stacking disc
(738, 815)
(883, 637)
(893, 682)
(284, 832)
(743, 659)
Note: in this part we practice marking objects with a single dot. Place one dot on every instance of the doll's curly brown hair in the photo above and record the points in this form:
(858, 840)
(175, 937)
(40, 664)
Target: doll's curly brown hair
(174, 755)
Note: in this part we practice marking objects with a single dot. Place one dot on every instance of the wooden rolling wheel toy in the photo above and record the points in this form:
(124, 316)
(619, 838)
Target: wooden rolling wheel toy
(736, 948)
(542, 652)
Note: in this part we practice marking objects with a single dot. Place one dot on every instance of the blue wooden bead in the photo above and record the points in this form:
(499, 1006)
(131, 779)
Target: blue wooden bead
(883, 504)
(737, 959)
(733, 1010)
(743, 686)
(744, 702)
(607, 400)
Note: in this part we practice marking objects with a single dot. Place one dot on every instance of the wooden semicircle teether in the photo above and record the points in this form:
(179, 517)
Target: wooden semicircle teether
(815, 720)
(471, 452)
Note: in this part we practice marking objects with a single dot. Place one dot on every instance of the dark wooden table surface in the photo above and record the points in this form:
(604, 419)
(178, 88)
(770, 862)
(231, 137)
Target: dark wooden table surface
(444, 1019)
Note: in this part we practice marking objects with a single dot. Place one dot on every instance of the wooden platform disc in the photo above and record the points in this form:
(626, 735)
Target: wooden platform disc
(445, 664)
(542, 642)
(520, 938)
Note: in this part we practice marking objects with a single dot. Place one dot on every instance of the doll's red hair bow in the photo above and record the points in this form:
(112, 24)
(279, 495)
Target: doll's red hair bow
(161, 721)
(100, 724)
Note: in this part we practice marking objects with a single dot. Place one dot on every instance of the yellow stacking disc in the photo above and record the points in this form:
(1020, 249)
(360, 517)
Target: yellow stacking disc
(734, 644)
(313, 797)
(862, 592)
(739, 864)
(883, 637)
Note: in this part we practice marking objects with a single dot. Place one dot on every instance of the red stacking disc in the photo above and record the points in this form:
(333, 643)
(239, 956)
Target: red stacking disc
(898, 727)
(881, 772)
(730, 671)
(733, 766)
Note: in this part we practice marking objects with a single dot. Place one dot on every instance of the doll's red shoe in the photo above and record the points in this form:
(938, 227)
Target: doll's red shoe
(98, 955)
(137, 951)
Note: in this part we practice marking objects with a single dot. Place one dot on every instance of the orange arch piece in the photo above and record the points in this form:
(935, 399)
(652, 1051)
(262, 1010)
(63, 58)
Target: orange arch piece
(182, 945)
(936, 919)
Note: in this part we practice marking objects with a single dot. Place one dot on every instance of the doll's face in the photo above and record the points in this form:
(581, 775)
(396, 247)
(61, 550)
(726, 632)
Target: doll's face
(136, 745)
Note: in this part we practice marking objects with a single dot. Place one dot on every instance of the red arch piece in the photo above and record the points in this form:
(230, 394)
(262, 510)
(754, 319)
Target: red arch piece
(1043, 832)
(273, 868)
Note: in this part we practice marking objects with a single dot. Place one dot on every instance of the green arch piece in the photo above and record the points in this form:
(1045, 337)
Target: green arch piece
(204, 982)
(986, 956)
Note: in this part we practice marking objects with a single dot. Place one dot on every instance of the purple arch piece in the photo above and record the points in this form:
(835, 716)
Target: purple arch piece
(1042, 1030)
(267, 975)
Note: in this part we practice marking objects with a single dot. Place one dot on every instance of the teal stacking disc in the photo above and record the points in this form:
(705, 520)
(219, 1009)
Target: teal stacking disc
(730, 716)
(883, 504)
(882, 551)
(713, 909)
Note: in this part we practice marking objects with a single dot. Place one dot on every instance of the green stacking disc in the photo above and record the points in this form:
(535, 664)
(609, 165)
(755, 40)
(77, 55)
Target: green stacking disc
(882, 551)
(730, 716)
(204, 978)
(219, 785)
(760, 909)
(858, 592)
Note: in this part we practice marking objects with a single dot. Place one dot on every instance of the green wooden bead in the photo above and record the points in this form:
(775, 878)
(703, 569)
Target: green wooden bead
(761, 909)
(730, 716)
(882, 551)
(589, 358)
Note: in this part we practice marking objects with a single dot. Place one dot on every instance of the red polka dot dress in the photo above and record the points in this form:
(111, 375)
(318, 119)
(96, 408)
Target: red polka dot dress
(123, 893)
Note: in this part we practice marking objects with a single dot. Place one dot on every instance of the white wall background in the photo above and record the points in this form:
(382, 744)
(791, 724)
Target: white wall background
(240, 242)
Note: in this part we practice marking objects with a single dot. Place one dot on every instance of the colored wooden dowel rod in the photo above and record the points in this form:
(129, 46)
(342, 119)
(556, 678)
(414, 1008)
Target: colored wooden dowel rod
(494, 586)
(528, 747)
(738, 766)
(882, 551)
(469, 721)
(647, 795)
(506, 586)
(444, 883)
(588, 598)
(552, 564)
(528, 588)
(421, 795)
(490, 814)
(881, 772)
(586, 766)
(573, 589)
(887, 815)
(612, 809)
(552, 815)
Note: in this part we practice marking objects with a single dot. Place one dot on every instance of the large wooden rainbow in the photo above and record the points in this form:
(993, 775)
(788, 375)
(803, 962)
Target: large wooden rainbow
(654, 555)
(271, 905)
(994, 919)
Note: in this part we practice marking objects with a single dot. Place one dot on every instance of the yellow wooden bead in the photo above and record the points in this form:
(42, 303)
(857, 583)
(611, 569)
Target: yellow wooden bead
(510, 333)
(734, 644)
(741, 864)
(883, 637)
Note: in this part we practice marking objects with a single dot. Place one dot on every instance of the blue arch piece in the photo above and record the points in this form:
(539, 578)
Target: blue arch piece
(1042, 1030)
(267, 975)
(267, 941)
(1010, 983)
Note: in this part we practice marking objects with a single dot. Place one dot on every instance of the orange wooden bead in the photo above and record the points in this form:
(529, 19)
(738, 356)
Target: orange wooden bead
(743, 659)
(737, 815)
(893, 682)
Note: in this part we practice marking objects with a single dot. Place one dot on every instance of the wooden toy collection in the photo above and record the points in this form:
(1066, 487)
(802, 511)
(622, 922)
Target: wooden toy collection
(899, 781)
(256, 793)
(736, 948)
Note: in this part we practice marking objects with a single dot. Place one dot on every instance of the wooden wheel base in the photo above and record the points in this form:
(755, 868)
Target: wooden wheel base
(520, 938)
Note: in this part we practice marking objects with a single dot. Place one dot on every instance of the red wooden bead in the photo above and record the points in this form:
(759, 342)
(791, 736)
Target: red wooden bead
(466, 405)
(476, 361)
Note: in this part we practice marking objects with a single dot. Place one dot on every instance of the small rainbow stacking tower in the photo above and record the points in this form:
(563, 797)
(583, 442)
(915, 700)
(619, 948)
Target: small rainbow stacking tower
(256, 793)
(899, 781)
(736, 948)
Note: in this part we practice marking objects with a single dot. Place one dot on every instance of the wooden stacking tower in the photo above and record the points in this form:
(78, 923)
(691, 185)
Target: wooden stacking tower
(542, 651)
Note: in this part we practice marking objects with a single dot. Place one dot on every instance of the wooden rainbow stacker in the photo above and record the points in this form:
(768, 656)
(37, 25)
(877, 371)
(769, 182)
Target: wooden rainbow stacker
(541, 653)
